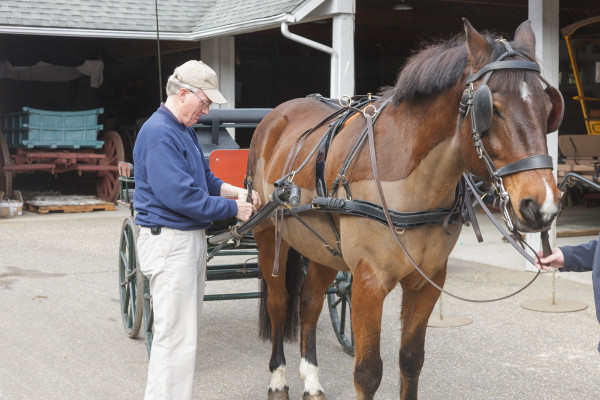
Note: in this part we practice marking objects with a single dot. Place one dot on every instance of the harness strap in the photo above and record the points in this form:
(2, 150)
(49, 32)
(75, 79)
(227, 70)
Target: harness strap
(540, 161)
(503, 64)
(373, 211)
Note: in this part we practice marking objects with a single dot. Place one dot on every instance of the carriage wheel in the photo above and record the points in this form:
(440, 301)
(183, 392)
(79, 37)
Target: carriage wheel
(340, 310)
(131, 301)
(144, 283)
(5, 176)
(107, 183)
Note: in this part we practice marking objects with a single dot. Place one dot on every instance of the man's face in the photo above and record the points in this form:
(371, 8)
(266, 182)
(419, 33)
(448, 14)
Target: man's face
(194, 106)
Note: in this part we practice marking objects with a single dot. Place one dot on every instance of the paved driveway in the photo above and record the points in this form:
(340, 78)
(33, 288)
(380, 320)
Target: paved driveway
(61, 335)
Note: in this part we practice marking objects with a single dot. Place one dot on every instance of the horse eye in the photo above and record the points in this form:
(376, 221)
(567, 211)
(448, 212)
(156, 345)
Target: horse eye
(497, 113)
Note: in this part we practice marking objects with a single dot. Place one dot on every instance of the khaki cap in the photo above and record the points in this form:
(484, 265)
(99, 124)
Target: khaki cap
(199, 75)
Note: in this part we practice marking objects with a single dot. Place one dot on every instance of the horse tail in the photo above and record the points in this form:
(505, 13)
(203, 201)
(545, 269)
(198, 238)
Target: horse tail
(294, 276)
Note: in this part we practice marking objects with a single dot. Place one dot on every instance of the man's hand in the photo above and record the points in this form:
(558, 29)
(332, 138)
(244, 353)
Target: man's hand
(239, 193)
(555, 260)
(245, 210)
(243, 195)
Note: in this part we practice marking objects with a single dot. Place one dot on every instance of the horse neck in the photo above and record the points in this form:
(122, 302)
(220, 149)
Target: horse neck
(427, 135)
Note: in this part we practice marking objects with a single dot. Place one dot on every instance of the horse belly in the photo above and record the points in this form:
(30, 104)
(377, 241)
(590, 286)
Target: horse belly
(309, 245)
(429, 247)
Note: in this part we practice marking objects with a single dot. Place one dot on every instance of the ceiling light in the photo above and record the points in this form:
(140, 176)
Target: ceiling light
(402, 7)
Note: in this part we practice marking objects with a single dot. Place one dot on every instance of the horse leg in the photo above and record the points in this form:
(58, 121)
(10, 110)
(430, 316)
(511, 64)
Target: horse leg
(317, 279)
(367, 308)
(278, 322)
(417, 306)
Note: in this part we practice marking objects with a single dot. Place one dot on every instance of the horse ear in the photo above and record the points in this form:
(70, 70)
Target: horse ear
(479, 50)
(524, 35)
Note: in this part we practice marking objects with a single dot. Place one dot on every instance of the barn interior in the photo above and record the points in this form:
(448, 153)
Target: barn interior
(270, 69)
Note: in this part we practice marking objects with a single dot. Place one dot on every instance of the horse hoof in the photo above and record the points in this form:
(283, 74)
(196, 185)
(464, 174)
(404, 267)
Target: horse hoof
(279, 394)
(320, 396)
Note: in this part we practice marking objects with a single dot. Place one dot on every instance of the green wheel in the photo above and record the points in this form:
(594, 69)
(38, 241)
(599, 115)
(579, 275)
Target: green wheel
(339, 297)
(131, 301)
(144, 283)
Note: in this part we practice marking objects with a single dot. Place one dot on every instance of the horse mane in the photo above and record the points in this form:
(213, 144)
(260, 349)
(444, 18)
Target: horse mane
(443, 64)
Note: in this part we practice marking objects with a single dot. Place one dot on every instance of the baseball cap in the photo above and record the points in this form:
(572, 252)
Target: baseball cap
(199, 75)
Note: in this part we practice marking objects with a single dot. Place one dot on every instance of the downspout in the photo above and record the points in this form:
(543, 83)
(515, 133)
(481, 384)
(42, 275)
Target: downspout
(318, 46)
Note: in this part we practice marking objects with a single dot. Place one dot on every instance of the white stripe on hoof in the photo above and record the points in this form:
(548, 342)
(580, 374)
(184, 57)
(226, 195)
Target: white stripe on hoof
(310, 376)
(278, 381)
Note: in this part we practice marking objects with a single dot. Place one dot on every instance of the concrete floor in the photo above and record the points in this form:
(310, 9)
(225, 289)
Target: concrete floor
(62, 338)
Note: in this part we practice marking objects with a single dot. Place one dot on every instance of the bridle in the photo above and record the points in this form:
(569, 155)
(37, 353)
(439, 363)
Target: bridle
(479, 103)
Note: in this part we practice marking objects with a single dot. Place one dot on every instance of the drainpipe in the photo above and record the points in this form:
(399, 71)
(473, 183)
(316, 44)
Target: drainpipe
(316, 45)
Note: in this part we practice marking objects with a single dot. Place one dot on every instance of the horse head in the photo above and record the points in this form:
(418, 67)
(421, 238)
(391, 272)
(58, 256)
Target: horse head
(506, 111)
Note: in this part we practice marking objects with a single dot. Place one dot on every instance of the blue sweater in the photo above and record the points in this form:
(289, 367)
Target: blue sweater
(174, 186)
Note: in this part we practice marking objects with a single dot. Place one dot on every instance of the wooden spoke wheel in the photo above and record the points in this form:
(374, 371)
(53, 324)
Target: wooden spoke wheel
(107, 183)
(5, 176)
(144, 283)
(339, 297)
(129, 272)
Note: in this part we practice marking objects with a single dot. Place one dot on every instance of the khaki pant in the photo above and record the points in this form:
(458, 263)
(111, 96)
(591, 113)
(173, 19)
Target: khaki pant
(175, 263)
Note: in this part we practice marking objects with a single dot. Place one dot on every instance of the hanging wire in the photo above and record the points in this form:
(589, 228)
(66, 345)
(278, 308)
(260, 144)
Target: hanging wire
(160, 85)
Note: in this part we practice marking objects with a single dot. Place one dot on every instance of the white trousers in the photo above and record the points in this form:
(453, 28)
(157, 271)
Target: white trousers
(175, 263)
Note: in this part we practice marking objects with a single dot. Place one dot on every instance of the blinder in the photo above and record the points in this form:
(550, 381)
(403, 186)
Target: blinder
(558, 108)
(483, 107)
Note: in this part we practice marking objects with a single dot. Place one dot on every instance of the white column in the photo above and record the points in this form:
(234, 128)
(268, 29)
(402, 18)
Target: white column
(219, 54)
(544, 21)
(342, 74)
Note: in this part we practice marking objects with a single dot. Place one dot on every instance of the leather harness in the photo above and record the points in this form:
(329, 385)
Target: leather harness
(461, 210)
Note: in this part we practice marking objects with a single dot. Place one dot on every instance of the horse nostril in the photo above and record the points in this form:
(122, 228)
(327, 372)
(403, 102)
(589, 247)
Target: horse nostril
(529, 209)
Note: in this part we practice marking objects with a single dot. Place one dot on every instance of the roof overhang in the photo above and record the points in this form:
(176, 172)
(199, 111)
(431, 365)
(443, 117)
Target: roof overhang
(309, 10)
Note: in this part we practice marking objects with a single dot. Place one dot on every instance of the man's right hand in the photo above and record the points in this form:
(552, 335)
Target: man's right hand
(244, 210)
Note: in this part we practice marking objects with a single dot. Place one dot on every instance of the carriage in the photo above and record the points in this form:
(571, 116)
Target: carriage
(228, 162)
(63, 143)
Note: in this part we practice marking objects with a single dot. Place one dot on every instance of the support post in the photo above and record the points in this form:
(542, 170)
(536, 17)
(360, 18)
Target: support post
(343, 45)
(219, 54)
(544, 22)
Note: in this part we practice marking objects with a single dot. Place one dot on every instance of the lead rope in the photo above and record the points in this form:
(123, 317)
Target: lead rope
(397, 236)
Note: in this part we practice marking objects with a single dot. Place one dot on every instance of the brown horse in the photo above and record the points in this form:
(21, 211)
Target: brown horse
(421, 153)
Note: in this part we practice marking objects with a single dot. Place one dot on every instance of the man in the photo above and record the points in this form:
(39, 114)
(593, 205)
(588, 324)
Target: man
(176, 197)
(585, 257)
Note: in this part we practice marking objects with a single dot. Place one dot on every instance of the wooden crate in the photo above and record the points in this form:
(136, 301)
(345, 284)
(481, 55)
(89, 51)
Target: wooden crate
(47, 203)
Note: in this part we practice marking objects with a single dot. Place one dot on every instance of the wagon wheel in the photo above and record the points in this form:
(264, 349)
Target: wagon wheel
(5, 176)
(131, 299)
(340, 310)
(148, 330)
(107, 183)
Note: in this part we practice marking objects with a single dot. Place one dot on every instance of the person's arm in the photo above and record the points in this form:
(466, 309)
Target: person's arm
(569, 258)
(579, 258)
(228, 190)
(173, 185)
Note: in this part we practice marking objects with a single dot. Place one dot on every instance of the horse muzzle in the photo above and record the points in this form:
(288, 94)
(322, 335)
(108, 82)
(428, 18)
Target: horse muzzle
(533, 216)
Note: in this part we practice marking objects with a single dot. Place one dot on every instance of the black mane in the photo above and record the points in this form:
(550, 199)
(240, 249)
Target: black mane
(441, 65)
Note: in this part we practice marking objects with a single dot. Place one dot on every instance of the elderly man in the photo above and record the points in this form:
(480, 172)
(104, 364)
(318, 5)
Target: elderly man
(176, 197)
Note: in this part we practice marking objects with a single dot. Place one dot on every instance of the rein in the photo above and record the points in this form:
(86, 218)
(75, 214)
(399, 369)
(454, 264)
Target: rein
(397, 236)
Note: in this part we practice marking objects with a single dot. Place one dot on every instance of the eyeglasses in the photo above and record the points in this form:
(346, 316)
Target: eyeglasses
(206, 104)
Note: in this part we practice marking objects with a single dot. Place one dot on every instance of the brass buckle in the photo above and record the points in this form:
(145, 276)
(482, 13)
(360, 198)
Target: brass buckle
(367, 107)
(345, 101)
